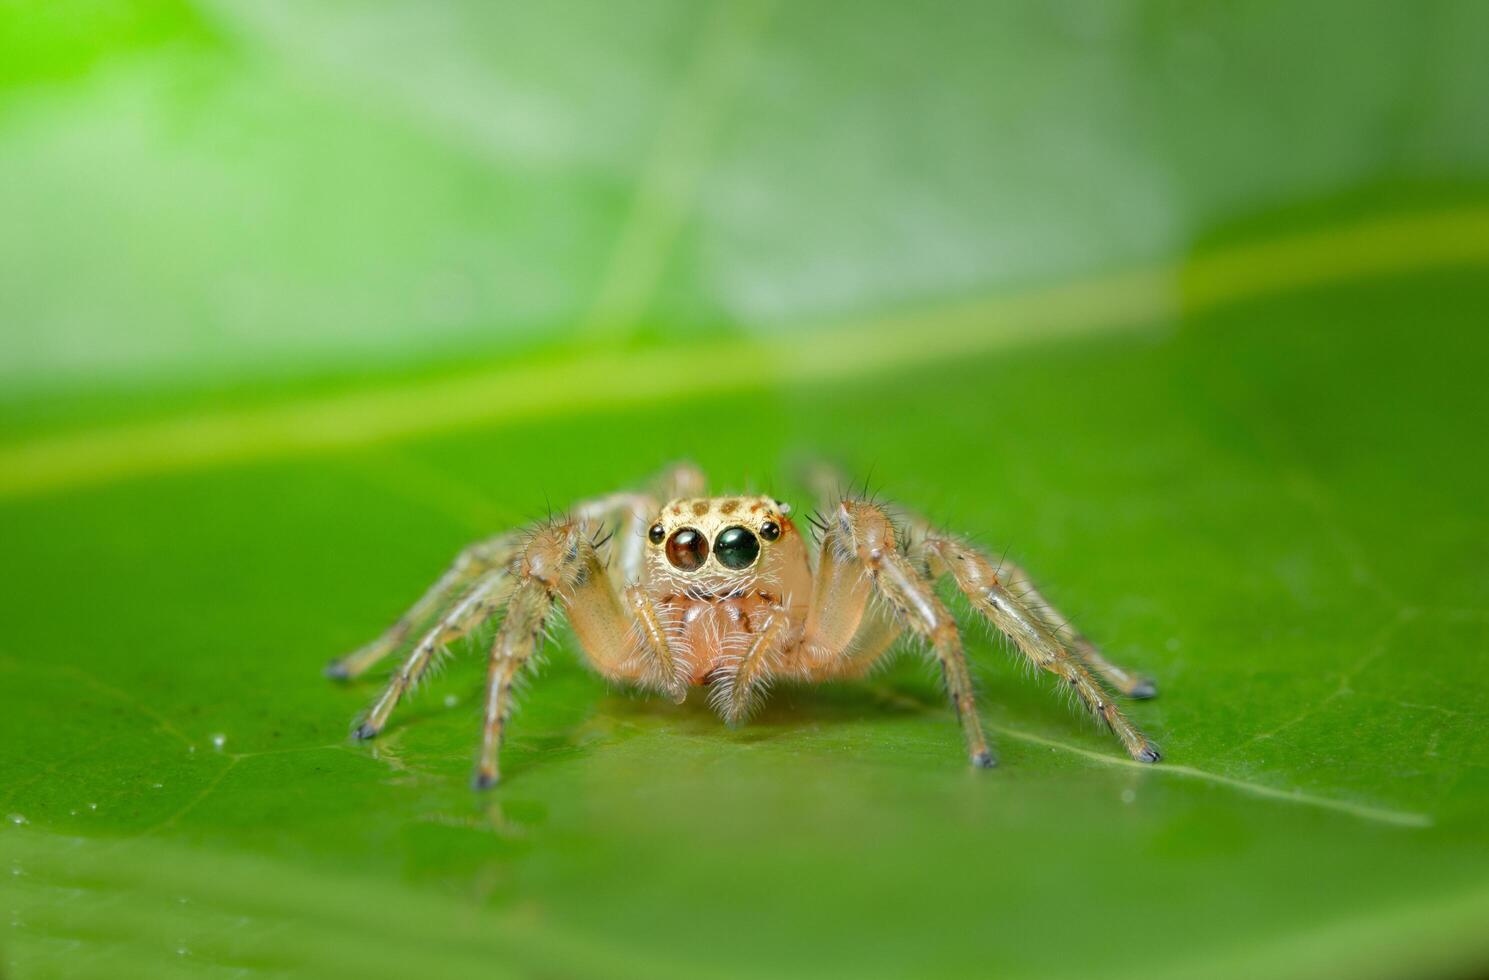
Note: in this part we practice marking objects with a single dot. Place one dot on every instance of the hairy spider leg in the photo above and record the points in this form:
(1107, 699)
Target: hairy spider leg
(1127, 683)
(559, 568)
(1019, 583)
(738, 689)
(474, 561)
(662, 668)
(623, 517)
(479, 604)
(530, 574)
(1035, 639)
(861, 558)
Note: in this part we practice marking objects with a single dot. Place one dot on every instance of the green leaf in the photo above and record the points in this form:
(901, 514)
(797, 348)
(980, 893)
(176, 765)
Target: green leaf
(1183, 307)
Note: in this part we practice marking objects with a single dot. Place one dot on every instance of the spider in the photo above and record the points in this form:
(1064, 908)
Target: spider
(722, 593)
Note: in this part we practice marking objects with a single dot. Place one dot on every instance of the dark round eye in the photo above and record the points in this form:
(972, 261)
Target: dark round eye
(770, 530)
(736, 547)
(687, 550)
(657, 533)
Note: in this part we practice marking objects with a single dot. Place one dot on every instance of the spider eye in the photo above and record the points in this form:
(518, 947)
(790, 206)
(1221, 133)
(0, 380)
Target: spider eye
(656, 534)
(687, 550)
(736, 547)
(770, 530)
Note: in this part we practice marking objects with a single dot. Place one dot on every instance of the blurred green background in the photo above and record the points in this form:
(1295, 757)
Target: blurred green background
(1182, 304)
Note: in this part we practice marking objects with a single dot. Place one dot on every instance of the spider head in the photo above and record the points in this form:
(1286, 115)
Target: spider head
(720, 538)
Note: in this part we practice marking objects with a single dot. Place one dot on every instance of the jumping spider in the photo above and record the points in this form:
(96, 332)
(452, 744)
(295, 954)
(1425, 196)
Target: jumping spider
(721, 592)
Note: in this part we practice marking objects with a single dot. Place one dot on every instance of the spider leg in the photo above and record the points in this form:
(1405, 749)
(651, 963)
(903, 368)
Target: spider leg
(827, 483)
(861, 558)
(628, 513)
(870, 645)
(681, 480)
(478, 604)
(515, 643)
(1018, 582)
(1131, 685)
(561, 556)
(623, 637)
(1035, 638)
(847, 630)
(559, 566)
(662, 668)
(595, 615)
(624, 517)
(531, 575)
(734, 691)
(473, 562)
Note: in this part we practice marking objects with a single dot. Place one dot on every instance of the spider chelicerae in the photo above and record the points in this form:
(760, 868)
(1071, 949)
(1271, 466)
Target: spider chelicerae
(724, 593)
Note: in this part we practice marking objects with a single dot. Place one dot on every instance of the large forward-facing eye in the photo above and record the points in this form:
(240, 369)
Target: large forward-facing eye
(736, 547)
(687, 549)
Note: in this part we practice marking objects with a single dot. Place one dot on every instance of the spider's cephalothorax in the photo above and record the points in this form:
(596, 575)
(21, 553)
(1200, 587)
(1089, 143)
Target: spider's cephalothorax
(721, 592)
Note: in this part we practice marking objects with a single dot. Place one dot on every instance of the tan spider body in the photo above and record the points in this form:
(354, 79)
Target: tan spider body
(723, 593)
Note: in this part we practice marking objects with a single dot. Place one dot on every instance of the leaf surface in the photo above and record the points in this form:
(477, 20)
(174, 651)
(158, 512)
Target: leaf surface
(1222, 395)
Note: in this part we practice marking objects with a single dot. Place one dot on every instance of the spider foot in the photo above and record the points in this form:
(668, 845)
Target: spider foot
(1147, 753)
(1143, 688)
(365, 731)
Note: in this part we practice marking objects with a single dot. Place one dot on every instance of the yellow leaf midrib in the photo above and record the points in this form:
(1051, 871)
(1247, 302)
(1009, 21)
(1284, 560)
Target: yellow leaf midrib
(1141, 298)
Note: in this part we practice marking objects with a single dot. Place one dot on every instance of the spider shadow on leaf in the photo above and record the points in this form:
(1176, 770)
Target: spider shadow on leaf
(790, 707)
